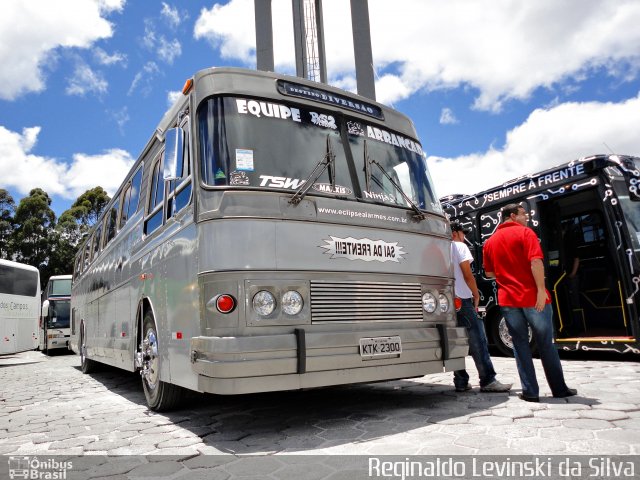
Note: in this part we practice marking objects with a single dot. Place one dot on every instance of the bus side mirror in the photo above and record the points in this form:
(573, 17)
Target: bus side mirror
(45, 309)
(173, 152)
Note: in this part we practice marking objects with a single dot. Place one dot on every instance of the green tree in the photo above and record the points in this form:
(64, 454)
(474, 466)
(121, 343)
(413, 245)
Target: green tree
(88, 207)
(7, 211)
(33, 222)
(71, 229)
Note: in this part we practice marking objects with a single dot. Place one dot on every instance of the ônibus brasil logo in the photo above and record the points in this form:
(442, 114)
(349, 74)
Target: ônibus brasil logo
(34, 468)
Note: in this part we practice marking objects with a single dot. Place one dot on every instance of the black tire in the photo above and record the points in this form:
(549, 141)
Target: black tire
(502, 339)
(160, 396)
(86, 365)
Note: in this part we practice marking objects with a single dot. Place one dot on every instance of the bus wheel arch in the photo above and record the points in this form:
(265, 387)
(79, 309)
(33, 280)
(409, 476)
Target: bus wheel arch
(161, 396)
(86, 365)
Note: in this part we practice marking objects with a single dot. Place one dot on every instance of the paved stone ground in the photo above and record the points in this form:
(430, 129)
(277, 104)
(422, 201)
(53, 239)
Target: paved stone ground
(48, 407)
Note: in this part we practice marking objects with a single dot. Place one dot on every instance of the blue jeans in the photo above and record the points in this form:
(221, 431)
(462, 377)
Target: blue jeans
(478, 347)
(541, 324)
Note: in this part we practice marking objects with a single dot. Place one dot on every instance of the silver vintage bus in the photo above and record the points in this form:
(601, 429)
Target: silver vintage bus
(274, 234)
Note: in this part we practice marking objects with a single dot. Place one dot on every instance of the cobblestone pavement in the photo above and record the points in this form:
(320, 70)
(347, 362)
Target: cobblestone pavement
(48, 407)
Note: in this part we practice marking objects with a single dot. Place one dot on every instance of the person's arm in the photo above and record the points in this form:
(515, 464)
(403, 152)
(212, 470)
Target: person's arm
(537, 269)
(470, 280)
(574, 267)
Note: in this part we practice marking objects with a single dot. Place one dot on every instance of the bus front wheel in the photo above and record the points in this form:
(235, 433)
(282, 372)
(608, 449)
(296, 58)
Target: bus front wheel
(502, 338)
(161, 396)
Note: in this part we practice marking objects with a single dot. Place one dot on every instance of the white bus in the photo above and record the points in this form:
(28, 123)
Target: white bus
(295, 241)
(54, 329)
(19, 307)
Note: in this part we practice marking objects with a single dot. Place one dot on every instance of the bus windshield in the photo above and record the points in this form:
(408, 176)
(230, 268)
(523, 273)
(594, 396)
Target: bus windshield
(15, 281)
(265, 144)
(59, 317)
(61, 287)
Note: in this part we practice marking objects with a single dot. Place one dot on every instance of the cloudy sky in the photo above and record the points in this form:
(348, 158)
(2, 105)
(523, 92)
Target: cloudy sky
(496, 89)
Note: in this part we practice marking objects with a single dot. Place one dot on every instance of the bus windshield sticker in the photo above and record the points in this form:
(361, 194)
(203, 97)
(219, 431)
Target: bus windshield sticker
(280, 182)
(355, 128)
(327, 188)
(382, 197)
(239, 178)
(220, 174)
(267, 109)
(323, 120)
(381, 135)
(318, 95)
(363, 249)
(244, 159)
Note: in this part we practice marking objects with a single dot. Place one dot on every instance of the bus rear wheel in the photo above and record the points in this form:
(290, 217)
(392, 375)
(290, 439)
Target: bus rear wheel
(502, 338)
(86, 365)
(161, 396)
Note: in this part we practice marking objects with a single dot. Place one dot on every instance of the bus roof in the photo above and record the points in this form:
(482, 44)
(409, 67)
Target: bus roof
(60, 277)
(22, 266)
(591, 162)
(241, 81)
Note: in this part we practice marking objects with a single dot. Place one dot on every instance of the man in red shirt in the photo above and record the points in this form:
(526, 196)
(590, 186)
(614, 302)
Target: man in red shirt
(513, 256)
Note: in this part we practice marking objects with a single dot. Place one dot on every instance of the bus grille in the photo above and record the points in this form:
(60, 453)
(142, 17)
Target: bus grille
(365, 302)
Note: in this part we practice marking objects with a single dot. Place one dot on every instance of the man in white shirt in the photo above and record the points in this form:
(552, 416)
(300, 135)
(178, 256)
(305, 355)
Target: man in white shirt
(467, 290)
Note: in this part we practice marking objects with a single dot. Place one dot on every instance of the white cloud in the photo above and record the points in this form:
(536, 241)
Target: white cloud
(168, 51)
(171, 15)
(31, 31)
(505, 50)
(144, 78)
(24, 171)
(121, 117)
(107, 169)
(173, 97)
(447, 117)
(105, 59)
(84, 80)
(548, 137)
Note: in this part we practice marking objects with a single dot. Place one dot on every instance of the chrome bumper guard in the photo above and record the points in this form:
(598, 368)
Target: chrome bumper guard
(303, 359)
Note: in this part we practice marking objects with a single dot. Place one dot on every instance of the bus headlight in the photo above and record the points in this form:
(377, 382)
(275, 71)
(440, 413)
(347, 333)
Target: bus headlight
(443, 300)
(429, 302)
(264, 303)
(292, 302)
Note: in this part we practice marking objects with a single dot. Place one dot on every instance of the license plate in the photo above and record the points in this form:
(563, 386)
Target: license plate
(373, 347)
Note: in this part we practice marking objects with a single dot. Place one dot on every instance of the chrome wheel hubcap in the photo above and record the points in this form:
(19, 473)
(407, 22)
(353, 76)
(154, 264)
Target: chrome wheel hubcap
(150, 359)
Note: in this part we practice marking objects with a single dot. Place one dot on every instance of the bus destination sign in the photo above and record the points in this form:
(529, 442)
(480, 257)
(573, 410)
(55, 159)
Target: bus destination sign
(318, 95)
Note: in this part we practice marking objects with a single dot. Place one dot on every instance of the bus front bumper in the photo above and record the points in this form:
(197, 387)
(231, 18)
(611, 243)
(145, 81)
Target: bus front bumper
(237, 365)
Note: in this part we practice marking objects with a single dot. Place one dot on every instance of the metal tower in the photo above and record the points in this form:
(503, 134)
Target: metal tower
(308, 32)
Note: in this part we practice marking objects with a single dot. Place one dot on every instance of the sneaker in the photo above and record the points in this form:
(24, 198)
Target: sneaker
(496, 386)
(522, 396)
(466, 388)
(569, 393)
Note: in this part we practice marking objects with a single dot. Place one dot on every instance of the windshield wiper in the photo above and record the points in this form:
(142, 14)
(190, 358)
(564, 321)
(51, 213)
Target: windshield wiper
(418, 214)
(327, 162)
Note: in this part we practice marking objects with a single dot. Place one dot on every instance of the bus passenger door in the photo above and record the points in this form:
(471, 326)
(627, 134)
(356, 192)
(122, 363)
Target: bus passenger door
(583, 269)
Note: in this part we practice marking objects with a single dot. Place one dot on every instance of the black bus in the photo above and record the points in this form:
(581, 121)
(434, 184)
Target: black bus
(587, 216)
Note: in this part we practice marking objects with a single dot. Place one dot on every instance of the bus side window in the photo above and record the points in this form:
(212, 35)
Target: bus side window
(87, 254)
(181, 193)
(131, 197)
(156, 193)
(112, 220)
(96, 243)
